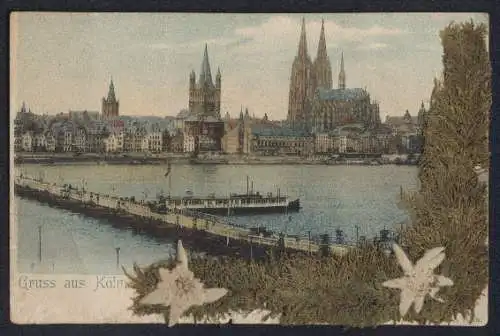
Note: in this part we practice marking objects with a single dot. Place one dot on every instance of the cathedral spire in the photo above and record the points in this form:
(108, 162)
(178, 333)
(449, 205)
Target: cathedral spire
(205, 74)
(301, 83)
(342, 73)
(322, 43)
(421, 113)
(322, 70)
(218, 79)
(303, 41)
(111, 92)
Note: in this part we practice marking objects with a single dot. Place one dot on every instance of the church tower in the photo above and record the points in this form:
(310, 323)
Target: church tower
(421, 114)
(205, 96)
(322, 67)
(23, 108)
(110, 106)
(342, 73)
(301, 88)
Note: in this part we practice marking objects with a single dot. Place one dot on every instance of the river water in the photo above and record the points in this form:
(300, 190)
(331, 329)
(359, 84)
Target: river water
(331, 196)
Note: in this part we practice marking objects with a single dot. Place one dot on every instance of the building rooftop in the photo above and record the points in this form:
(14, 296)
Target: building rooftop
(383, 129)
(211, 119)
(182, 114)
(268, 129)
(204, 118)
(83, 112)
(192, 118)
(401, 120)
(339, 94)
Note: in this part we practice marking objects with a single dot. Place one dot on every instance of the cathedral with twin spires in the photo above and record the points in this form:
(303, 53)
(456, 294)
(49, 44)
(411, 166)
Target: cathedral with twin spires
(313, 104)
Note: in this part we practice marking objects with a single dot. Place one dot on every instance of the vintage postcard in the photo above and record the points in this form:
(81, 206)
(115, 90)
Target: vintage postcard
(249, 168)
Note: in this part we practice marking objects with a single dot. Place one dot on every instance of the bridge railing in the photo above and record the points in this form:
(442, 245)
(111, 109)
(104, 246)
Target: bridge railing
(215, 224)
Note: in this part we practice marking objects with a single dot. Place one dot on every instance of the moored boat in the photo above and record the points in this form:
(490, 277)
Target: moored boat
(245, 203)
(252, 203)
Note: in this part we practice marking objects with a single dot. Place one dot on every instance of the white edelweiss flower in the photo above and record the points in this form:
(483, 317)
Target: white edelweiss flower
(179, 289)
(419, 280)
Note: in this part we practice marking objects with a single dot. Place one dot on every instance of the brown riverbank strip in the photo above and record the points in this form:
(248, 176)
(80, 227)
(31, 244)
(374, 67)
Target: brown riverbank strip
(178, 159)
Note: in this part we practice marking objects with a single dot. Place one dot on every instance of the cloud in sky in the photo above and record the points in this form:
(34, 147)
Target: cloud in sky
(284, 31)
(217, 42)
(374, 45)
(64, 61)
(282, 26)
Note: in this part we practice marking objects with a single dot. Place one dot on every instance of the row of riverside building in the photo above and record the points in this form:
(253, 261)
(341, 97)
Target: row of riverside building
(88, 132)
(320, 120)
(248, 135)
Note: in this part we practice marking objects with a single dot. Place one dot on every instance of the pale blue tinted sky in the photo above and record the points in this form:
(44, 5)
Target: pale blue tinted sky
(63, 61)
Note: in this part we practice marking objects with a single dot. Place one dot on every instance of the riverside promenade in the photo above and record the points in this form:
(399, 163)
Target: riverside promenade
(225, 232)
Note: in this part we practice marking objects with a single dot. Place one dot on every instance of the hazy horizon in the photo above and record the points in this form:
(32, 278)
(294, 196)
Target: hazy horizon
(64, 61)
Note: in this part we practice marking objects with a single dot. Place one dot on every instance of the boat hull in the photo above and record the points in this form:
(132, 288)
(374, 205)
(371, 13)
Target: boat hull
(293, 206)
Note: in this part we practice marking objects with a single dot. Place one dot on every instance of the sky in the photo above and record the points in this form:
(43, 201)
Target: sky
(64, 61)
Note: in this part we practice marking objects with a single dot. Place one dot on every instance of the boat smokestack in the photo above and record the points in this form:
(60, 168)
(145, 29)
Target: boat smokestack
(252, 188)
(247, 185)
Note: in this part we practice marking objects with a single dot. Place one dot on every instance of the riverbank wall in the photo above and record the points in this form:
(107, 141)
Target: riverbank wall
(163, 159)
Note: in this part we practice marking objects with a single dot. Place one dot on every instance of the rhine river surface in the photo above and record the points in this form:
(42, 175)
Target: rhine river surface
(331, 197)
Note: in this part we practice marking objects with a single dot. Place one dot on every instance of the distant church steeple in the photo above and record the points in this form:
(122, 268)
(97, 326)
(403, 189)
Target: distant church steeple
(218, 78)
(110, 105)
(205, 74)
(422, 107)
(205, 96)
(111, 92)
(407, 117)
(421, 114)
(342, 73)
(23, 108)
